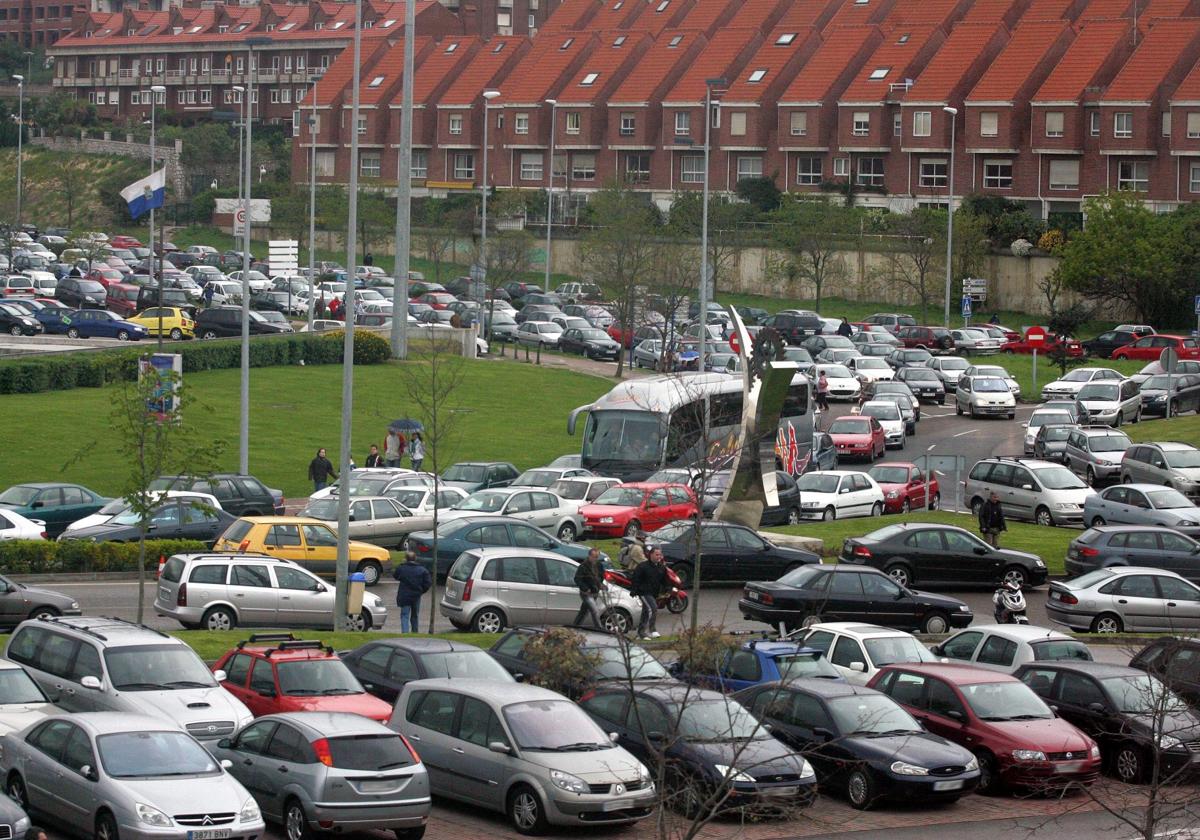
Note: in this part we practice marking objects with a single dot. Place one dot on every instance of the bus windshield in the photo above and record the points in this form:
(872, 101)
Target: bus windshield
(622, 436)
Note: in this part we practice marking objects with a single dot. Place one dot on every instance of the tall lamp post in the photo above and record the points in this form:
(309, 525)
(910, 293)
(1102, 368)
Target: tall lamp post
(553, 103)
(154, 91)
(312, 202)
(488, 96)
(20, 142)
(952, 113)
(709, 84)
(403, 247)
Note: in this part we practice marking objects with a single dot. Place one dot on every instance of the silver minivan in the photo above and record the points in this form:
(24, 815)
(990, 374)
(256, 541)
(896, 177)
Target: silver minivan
(1111, 403)
(489, 589)
(1096, 452)
(1029, 489)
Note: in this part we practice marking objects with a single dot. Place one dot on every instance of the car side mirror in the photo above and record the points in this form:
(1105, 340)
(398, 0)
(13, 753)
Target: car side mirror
(656, 737)
(37, 505)
(1026, 486)
(822, 733)
(937, 650)
(858, 666)
(91, 682)
(500, 747)
(1098, 708)
(266, 692)
(226, 763)
(613, 737)
(225, 744)
(220, 675)
(1054, 709)
(955, 714)
(89, 772)
(980, 550)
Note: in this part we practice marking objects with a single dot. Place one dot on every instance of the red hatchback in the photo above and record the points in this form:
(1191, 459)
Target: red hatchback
(289, 675)
(1049, 345)
(105, 276)
(122, 241)
(856, 436)
(1150, 347)
(628, 508)
(905, 487)
(438, 300)
(1017, 739)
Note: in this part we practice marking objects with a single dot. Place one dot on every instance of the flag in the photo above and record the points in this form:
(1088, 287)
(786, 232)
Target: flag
(146, 194)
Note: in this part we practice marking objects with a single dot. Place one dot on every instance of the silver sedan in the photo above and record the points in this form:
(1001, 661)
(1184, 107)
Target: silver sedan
(375, 519)
(1121, 598)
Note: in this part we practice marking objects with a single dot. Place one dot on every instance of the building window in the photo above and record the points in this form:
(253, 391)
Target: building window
(749, 167)
(521, 124)
(1054, 124)
(922, 123)
(799, 121)
(870, 172)
(572, 122)
(464, 166)
(274, 96)
(324, 167)
(628, 124)
(285, 95)
(897, 125)
(583, 166)
(589, 79)
(933, 172)
(637, 168)
(362, 125)
(180, 96)
(997, 174)
(1194, 178)
(862, 124)
(1064, 174)
(206, 96)
(420, 165)
(1123, 124)
(532, 166)
(135, 97)
(1094, 123)
(503, 18)
(1166, 123)
(692, 171)
(808, 171)
(989, 124)
(456, 123)
(841, 167)
(1133, 175)
(369, 165)
(737, 124)
(683, 122)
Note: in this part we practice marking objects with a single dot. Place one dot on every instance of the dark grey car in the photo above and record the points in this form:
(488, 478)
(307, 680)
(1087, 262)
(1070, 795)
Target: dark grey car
(1106, 546)
(19, 602)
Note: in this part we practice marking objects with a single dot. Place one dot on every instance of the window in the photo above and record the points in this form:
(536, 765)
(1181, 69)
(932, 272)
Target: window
(1166, 123)
(572, 122)
(997, 174)
(531, 166)
(1064, 174)
(464, 166)
(1193, 125)
(942, 699)
(870, 172)
(922, 123)
(897, 125)
(749, 167)
(808, 171)
(737, 124)
(420, 166)
(206, 96)
(251, 576)
(369, 165)
(1123, 124)
(861, 123)
(692, 171)
(628, 124)
(432, 710)
(799, 123)
(879, 73)
(785, 39)
(841, 167)
(589, 79)
(208, 574)
(675, 41)
(1078, 690)
(847, 651)
(997, 651)
(1094, 123)
(989, 124)
(362, 125)
(521, 124)
(933, 172)
(1054, 124)
(637, 168)
(1194, 178)
(262, 680)
(1133, 175)
(758, 75)
(324, 164)
(583, 166)
(274, 96)
(962, 646)
(456, 123)
(618, 41)
(282, 535)
(683, 122)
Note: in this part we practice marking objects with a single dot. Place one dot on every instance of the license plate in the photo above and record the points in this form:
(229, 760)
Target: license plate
(209, 834)
(753, 596)
(1055, 596)
(789, 790)
(376, 786)
(617, 805)
(952, 784)
(1068, 767)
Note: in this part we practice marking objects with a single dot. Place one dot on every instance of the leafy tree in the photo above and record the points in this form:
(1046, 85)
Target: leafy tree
(761, 193)
(728, 229)
(210, 151)
(439, 225)
(807, 231)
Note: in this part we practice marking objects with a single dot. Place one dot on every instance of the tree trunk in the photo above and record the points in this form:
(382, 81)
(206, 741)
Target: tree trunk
(141, 570)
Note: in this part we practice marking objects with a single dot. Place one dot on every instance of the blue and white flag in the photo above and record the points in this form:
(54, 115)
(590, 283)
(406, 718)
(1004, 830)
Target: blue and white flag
(146, 194)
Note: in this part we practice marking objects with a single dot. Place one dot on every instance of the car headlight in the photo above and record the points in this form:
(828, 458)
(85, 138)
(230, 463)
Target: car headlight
(151, 816)
(1095, 752)
(1186, 523)
(643, 773)
(249, 812)
(1168, 742)
(903, 768)
(74, 605)
(893, 494)
(1041, 564)
(973, 764)
(963, 608)
(1028, 755)
(1066, 506)
(606, 520)
(732, 774)
(567, 782)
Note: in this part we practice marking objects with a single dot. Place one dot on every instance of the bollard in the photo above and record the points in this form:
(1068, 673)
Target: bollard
(527, 352)
(539, 353)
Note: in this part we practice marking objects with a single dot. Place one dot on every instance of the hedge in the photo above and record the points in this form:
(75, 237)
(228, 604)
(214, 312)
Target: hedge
(95, 369)
(25, 557)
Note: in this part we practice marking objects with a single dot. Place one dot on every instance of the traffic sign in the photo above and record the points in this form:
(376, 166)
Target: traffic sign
(734, 343)
(1169, 359)
(966, 306)
(1036, 336)
(239, 221)
(1197, 304)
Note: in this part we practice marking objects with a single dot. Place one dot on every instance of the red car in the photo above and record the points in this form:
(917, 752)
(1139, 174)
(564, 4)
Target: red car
(105, 276)
(123, 241)
(438, 300)
(1150, 347)
(1017, 739)
(628, 508)
(122, 299)
(904, 486)
(856, 436)
(1049, 345)
(290, 675)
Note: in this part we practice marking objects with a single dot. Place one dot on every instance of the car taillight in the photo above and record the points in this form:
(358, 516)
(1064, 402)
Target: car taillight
(466, 596)
(243, 545)
(45, 536)
(1089, 552)
(1068, 598)
(766, 598)
(181, 596)
(861, 551)
(411, 751)
(321, 748)
(423, 548)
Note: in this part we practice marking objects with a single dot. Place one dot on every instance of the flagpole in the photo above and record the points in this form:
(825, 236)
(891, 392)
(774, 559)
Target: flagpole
(150, 195)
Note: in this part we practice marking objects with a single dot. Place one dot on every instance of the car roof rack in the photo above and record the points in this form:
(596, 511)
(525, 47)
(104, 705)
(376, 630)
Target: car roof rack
(267, 637)
(65, 622)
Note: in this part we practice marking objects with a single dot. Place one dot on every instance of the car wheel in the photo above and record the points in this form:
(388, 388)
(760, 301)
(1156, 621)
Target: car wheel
(1012, 415)
(72, 332)
(16, 790)
(617, 621)
(1107, 623)
(877, 509)
(686, 574)
(936, 501)
(1129, 765)
(123, 335)
(567, 532)
(633, 528)
(1137, 415)
(958, 409)
(219, 618)
(1091, 477)
(43, 612)
(1120, 419)
(360, 623)
(525, 810)
(208, 335)
(15, 331)
(988, 779)
(1009, 351)
(905, 506)
(1017, 575)
(899, 573)
(106, 827)
(860, 790)
(935, 624)
(295, 823)
(176, 334)
(371, 570)
(793, 517)
(1097, 521)
(810, 620)
(488, 620)
(830, 514)
(1042, 516)
(409, 833)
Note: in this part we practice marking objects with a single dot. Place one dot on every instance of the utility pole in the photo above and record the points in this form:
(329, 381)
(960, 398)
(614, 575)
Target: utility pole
(404, 193)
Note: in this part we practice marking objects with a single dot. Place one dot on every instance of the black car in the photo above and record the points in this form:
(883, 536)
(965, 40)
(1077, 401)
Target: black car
(174, 519)
(752, 315)
(787, 512)
(903, 357)
(924, 383)
(517, 291)
(385, 666)
(1103, 345)
(928, 554)
(15, 320)
(615, 659)
(480, 475)
(1176, 662)
(855, 736)
(149, 296)
(240, 495)
(709, 744)
(878, 390)
(1134, 545)
(593, 343)
(1123, 709)
(794, 324)
(272, 301)
(226, 322)
(729, 552)
(78, 293)
(1184, 390)
(849, 593)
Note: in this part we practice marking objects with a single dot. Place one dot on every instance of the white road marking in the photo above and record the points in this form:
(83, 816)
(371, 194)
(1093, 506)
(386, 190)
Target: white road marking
(931, 446)
(967, 432)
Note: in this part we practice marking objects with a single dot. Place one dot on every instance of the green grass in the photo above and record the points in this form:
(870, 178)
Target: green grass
(1182, 429)
(505, 410)
(1020, 365)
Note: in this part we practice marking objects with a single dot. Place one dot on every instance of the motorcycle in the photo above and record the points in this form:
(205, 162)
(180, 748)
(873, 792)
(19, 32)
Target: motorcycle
(1009, 601)
(674, 600)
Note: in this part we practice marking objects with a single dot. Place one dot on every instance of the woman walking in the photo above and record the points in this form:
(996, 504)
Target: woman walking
(416, 451)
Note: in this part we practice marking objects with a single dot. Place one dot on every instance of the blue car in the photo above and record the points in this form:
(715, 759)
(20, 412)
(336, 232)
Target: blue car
(54, 319)
(100, 323)
(761, 661)
(459, 535)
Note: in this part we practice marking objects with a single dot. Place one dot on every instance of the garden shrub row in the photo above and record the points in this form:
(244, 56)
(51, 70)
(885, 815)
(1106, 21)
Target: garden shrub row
(35, 557)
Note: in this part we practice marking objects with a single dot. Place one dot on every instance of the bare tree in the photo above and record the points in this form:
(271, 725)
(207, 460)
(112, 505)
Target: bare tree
(916, 258)
(809, 233)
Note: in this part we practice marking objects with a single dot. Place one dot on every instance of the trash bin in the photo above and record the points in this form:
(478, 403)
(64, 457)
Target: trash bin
(354, 595)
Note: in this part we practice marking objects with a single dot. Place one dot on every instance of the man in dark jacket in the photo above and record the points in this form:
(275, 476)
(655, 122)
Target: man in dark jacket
(320, 471)
(649, 579)
(374, 459)
(589, 578)
(845, 329)
(415, 581)
(991, 520)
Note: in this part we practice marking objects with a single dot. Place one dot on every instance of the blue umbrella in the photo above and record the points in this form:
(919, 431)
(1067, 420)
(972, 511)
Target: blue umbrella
(406, 425)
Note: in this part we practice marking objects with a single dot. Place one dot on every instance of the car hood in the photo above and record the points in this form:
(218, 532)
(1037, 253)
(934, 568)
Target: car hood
(606, 510)
(1190, 473)
(923, 749)
(175, 795)
(949, 603)
(1183, 725)
(104, 532)
(760, 757)
(594, 767)
(88, 522)
(1049, 735)
(1109, 457)
(189, 705)
(469, 486)
(1020, 556)
(46, 595)
(359, 704)
(16, 716)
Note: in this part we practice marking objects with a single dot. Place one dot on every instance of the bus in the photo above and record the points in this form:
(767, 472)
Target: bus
(644, 425)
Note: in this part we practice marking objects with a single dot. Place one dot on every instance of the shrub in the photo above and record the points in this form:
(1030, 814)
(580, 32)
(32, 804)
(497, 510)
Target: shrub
(702, 649)
(560, 661)
(23, 557)
(1051, 241)
(1021, 248)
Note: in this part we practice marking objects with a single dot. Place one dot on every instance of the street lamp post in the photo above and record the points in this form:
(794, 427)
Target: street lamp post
(403, 236)
(312, 203)
(952, 113)
(709, 84)
(488, 96)
(553, 103)
(154, 90)
(20, 142)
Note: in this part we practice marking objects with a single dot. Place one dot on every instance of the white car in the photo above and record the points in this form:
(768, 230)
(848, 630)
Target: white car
(14, 526)
(1044, 417)
(40, 277)
(1070, 385)
(997, 371)
(539, 333)
(118, 506)
(889, 416)
(580, 490)
(870, 369)
(537, 507)
(1006, 647)
(1111, 403)
(200, 250)
(545, 476)
(839, 494)
(857, 651)
(986, 395)
(842, 384)
(259, 282)
(366, 481)
(420, 499)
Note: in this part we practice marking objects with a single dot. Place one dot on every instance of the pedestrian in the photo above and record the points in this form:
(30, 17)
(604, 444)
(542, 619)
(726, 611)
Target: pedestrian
(320, 307)
(649, 580)
(208, 295)
(334, 307)
(416, 451)
(991, 520)
(456, 321)
(995, 319)
(392, 449)
(415, 580)
(320, 470)
(588, 581)
(823, 391)
(844, 328)
(374, 459)
(368, 259)
(633, 553)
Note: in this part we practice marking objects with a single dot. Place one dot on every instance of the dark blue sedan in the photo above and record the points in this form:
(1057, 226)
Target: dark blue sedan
(54, 318)
(762, 661)
(459, 535)
(100, 323)
(18, 321)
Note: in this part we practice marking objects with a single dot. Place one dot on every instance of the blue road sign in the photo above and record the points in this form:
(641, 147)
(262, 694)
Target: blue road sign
(966, 305)
(1198, 304)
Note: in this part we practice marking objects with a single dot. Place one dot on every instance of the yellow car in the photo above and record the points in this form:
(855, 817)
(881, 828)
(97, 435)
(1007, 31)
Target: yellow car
(176, 323)
(309, 542)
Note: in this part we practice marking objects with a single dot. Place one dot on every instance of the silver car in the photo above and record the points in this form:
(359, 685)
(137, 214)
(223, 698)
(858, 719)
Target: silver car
(524, 751)
(532, 504)
(949, 369)
(1122, 598)
(997, 371)
(539, 334)
(1072, 383)
(489, 589)
(1112, 403)
(1143, 504)
(1044, 417)
(1096, 452)
(1029, 489)
(1006, 647)
(984, 395)
(975, 342)
(110, 775)
(376, 519)
(330, 771)
(1172, 464)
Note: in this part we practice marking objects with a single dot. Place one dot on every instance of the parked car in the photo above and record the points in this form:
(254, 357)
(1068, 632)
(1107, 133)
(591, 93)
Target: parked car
(870, 368)
(848, 593)
(100, 323)
(998, 372)
(459, 535)
(730, 553)
(479, 475)
(1183, 366)
(794, 324)
(580, 490)
(17, 321)
(537, 507)
(838, 494)
(1035, 491)
(226, 321)
(891, 321)
(909, 357)
(904, 400)
(1070, 384)
(78, 293)
(924, 383)
(817, 344)
(973, 341)
(590, 342)
(422, 499)
(375, 519)
(611, 659)
(53, 503)
(1184, 392)
(1143, 504)
(843, 386)
(857, 651)
(1051, 442)
(1171, 464)
(385, 666)
(934, 339)
(629, 508)
(1150, 348)
(1173, 660)
(14, 526)
(241, 495)
(949, 369)
(890, 418)
(858, 437)
(787, 512)
(308, 542)
(1119, 598)
(758, 662)
(1103, 345)
(1050, 343)
(1006, 647)
(544, 334)
(1095, 452)
(170, 519)
(905, 487)
(1104, 546)
(1111, 403)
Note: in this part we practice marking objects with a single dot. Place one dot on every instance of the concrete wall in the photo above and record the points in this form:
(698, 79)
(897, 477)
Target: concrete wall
(168, 153)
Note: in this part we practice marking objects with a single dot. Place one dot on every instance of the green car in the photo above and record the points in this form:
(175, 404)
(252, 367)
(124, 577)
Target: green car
(56, 504)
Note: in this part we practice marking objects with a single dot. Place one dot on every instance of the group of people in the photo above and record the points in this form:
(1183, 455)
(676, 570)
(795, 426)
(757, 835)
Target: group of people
(396, 445)
(648, 579)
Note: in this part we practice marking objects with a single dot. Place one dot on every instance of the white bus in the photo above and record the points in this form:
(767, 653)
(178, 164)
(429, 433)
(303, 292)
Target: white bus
(644, 425)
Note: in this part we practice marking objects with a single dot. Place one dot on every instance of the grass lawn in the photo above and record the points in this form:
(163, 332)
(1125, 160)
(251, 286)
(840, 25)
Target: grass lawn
(507, 411)
(1183, 429)
(1020, 365)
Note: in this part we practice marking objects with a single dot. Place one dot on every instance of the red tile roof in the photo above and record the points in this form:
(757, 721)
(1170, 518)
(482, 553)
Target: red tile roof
(1153, 61)
(703, 16)
(388, 67)
(482, 70)
(1165, 9)
(895, 55)
(772, 57)
(441, 65)
(716, 60)
(617, 14)
(1106, 9)
(1085, 58)
(812, 13)
(607, 62)
(1020, 57)
(1048, 10)
(992, 11)
(946, 71)
(857, 14)
(816, 80)
(924, 11)
(656, 66)
(571, 14)
(541, 70)
(1189, 88)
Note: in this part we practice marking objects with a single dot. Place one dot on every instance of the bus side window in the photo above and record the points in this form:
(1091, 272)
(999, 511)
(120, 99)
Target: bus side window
(685, 430)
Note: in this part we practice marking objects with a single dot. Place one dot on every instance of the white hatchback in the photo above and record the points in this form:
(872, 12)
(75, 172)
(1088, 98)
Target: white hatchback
(889, 416)
(839, 494)
(857, 651)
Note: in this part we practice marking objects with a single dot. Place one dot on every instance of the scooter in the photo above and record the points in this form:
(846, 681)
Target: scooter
(675, 600)
(1010, 605)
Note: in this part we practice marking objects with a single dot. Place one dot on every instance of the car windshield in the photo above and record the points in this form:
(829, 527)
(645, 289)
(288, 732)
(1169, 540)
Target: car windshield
(889, 475)
(369, 486)
(882, 412)
(1142, 695)
(1005, 701)
(614, 664)
(1108, 391)
(1176, 458)
(871, 364)
(919, 374)
(536, 478)
(485, 502)
(145, 755)
(316, 676)
(991, 370)
(462, 664)
(849, 426)
(16, 686)
(952, 363)
(554, 726)
(1047, 418)
(1116, 442)
(19, 496)
(1059, 478)
(1058, 650)
(1079, 376)
(835, 371)
(794, 666)
(1160, 383)
(1168, 499)
(1056, 433)
(572, 490)
(593, 335)
(156, 668)
(990, 386)
(717, 721)
(889, 649)
(465, 472)
(621, 496)
(816, 482)
(326, 509)
(871, 714)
